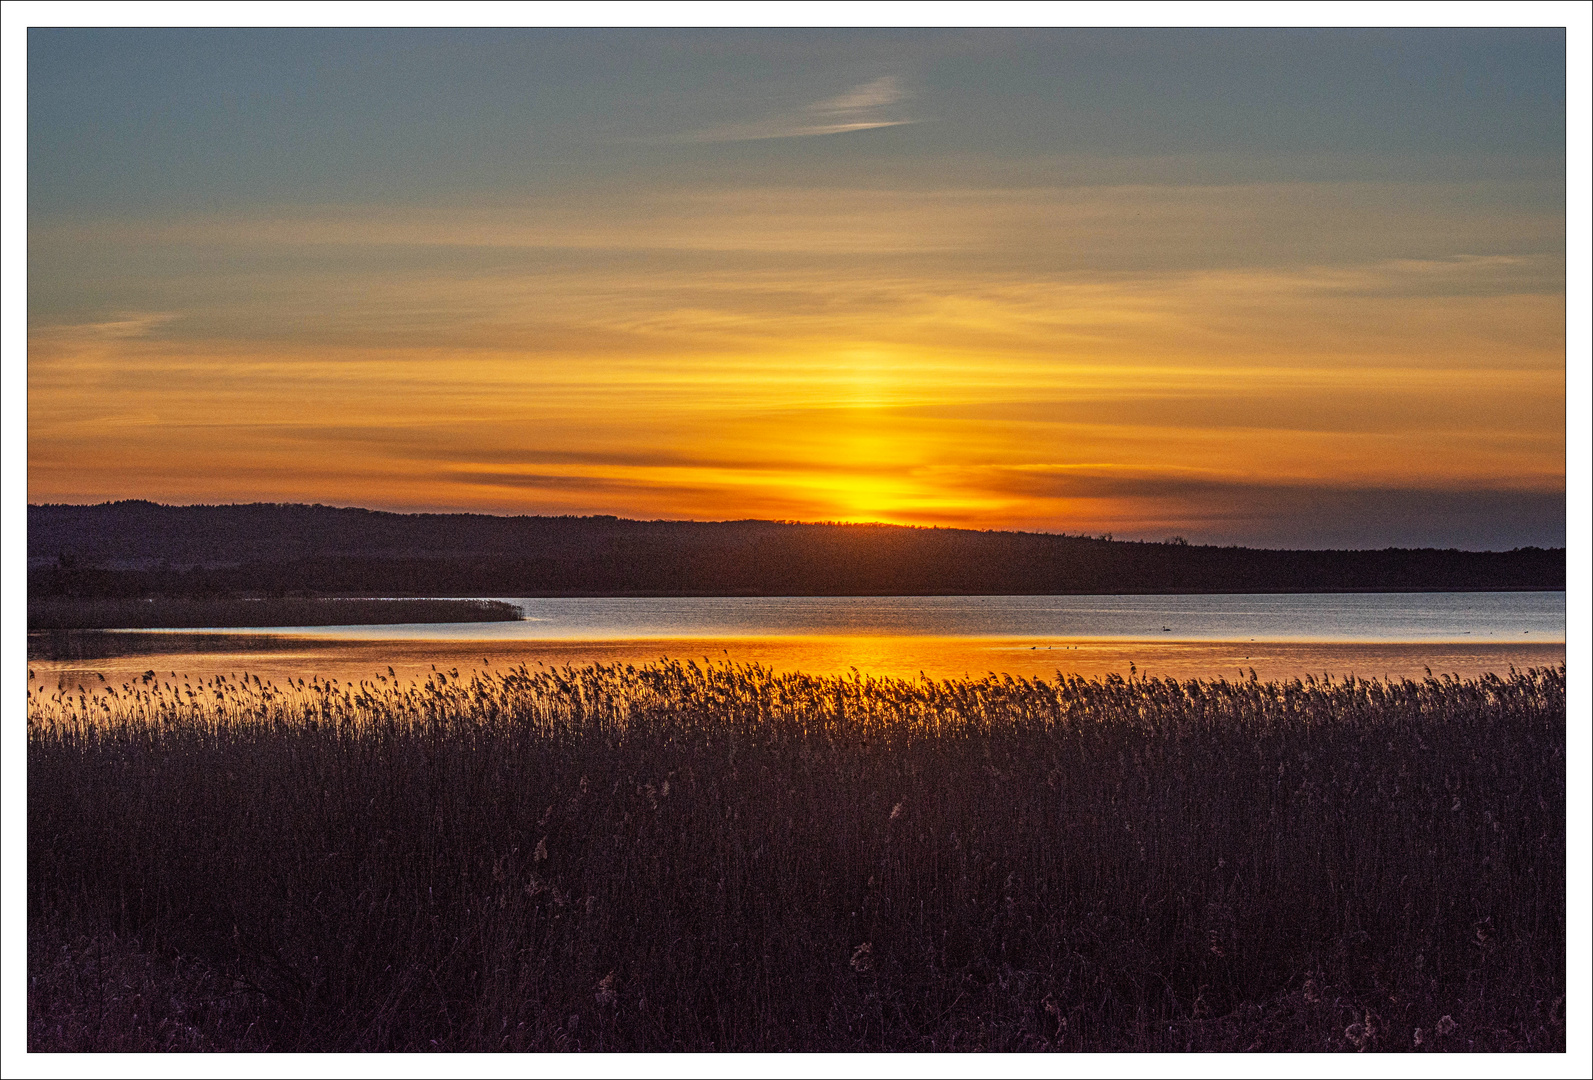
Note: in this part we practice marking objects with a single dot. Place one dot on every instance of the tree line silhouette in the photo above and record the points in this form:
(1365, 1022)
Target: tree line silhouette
(140, 548)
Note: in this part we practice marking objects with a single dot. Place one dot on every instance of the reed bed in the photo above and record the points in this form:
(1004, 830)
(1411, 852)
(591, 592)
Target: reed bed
(718, 857)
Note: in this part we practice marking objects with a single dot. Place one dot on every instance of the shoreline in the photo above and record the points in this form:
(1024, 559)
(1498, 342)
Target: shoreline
(186, 613)
(304, 656)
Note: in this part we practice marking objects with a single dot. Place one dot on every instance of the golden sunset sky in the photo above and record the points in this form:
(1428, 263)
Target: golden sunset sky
(1283, 288)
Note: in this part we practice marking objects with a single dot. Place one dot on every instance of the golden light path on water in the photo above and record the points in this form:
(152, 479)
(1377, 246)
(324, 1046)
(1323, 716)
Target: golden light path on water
(278, 658)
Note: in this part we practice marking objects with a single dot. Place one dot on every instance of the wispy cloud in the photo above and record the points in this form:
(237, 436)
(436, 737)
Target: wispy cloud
(861, 99)
(1142, 360)
(868, 105)
(128, 325)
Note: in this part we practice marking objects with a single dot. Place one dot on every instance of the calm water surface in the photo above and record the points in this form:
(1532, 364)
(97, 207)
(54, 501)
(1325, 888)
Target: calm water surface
(1373, 635)
(1320, 617)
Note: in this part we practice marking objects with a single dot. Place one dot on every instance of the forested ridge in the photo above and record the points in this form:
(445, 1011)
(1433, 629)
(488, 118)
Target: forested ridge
(138, 548)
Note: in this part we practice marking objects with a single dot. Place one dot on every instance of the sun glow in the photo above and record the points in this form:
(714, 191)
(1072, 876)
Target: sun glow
(915, 389)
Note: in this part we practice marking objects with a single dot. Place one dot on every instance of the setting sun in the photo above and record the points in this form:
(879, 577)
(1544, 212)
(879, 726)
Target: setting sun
(798, 540)
(856, 312)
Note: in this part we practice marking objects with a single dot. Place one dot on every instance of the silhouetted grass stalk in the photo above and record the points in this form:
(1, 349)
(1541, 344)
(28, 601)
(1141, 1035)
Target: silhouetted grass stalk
(691, 857)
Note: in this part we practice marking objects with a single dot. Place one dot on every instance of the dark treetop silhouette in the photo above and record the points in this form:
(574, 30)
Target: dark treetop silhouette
(144, 549)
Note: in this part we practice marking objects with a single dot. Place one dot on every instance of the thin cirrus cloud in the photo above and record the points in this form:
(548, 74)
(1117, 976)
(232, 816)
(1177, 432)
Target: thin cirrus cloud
(1268, 361)
(868, 105)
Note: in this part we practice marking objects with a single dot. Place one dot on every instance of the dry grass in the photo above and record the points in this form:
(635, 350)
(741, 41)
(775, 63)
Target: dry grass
(718, 857)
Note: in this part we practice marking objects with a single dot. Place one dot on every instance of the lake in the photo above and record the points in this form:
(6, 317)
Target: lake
(1373, 635)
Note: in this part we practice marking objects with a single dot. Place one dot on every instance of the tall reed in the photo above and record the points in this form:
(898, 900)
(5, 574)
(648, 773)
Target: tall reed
(715, 856)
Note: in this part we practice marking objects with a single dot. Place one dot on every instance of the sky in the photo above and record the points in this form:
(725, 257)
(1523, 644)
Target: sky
(1284, 288)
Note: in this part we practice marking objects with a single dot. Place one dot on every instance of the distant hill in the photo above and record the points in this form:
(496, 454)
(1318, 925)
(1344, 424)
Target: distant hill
(140, 548)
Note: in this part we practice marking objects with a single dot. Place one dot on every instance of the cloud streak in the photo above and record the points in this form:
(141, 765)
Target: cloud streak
(1215, 361)
(864, 107)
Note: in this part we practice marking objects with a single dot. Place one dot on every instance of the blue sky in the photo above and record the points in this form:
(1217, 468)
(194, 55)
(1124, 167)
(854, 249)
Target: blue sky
(203, 118)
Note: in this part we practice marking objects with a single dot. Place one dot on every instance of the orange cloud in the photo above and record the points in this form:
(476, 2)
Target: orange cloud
(1045, 358)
